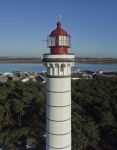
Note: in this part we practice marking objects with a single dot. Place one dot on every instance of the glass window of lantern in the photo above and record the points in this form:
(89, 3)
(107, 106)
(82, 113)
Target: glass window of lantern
(53, 41)
(60, 40)
(67, 41)
(57, 41)
(63, 40)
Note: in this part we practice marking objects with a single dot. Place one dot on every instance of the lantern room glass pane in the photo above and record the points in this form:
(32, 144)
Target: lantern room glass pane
(63, 41)
(58, 41)
(51, 41)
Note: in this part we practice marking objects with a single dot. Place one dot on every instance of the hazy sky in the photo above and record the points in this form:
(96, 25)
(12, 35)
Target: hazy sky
(25, 24)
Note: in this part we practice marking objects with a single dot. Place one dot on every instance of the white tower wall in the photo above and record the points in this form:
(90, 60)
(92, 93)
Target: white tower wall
(58, 104)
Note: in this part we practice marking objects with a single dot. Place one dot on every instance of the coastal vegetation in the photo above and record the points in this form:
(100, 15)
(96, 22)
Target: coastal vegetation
(77, 60)
(94, 114)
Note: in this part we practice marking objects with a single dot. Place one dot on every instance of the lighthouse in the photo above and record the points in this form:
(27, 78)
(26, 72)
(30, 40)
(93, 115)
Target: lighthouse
(58, 90)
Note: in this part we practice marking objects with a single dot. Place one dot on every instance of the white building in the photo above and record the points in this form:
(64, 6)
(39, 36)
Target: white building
(58, 103)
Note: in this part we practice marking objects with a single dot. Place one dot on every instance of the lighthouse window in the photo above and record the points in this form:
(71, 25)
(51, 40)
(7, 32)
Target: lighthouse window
(60, 39)
(63, 40)
(53, 41)
(67, 41)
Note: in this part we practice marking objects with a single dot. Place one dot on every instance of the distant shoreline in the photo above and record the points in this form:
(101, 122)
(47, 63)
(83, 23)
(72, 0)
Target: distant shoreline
(78, 60)
(20, 60)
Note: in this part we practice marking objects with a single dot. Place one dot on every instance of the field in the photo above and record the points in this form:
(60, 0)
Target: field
(20, 60)
(78, 60)
(97, 60)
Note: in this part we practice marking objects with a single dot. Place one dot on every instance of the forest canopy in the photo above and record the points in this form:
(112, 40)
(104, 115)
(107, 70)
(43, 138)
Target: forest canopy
(94, 114)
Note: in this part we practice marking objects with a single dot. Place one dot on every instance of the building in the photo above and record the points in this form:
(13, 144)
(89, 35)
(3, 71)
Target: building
(58, 103)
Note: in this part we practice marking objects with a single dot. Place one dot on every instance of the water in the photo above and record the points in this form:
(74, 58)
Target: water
(22, 67)
(96, 67)
(40, 67)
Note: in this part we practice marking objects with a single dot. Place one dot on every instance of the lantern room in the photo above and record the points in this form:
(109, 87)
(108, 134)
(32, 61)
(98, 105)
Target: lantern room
(59, 40)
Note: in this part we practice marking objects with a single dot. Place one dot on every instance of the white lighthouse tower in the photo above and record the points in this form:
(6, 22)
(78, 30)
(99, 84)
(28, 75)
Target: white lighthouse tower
(58, 104)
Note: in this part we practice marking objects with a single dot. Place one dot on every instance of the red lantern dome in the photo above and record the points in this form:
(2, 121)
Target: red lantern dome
(58, 30)
(59, 40)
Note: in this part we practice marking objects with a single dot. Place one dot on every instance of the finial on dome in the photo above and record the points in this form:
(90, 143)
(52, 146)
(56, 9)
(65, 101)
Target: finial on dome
(58, 25)
(59, 21)
(59, 17)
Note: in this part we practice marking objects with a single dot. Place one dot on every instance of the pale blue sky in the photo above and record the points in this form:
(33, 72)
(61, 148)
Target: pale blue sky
(24, 24)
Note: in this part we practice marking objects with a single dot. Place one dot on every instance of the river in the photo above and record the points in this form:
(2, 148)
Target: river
(40, 67)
